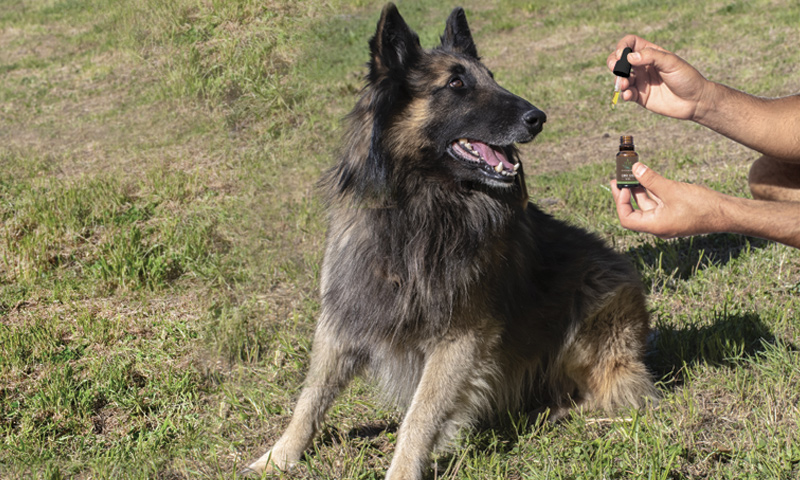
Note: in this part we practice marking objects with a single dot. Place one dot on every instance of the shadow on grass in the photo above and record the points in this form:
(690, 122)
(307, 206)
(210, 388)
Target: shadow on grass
(331, 434)
(684, 257)
(726, 341)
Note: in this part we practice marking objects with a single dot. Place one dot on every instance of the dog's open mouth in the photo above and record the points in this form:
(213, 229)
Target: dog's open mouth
(491, 160)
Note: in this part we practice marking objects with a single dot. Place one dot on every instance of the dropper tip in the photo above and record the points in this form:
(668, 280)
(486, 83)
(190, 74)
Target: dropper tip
(616, 95)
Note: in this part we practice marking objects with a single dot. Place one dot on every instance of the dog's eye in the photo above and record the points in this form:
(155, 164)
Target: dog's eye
(456, 83)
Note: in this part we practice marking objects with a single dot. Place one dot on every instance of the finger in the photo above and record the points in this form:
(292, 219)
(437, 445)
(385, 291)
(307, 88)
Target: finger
(622, 200)
(611, 60)
(630, 93)
(644, 199)
(662, 60)
(614, 190)
(636, 44)
(633, 42)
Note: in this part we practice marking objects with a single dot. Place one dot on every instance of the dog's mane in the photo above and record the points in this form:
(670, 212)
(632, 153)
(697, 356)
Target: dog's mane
(435, 238)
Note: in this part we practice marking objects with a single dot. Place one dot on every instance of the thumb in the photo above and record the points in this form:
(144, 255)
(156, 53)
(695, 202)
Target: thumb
(647, 178)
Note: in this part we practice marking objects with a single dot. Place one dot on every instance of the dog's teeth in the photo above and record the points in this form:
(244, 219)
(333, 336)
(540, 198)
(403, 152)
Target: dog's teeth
(516, 167)
(498, 168)
(468, 146)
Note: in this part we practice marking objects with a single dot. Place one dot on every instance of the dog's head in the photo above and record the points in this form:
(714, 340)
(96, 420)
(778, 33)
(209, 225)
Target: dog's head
(439, 112)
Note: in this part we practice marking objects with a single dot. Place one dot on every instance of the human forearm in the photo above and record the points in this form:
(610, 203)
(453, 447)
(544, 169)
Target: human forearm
(778, 221)
(770, 126)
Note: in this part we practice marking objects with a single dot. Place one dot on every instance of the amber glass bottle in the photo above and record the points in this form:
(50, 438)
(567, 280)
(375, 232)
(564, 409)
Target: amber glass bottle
(626, 157)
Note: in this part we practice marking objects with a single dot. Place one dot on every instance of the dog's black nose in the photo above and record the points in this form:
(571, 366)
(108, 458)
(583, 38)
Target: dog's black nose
(534, 118)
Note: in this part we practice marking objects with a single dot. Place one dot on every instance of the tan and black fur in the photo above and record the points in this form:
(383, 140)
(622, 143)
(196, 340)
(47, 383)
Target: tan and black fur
(440, 281)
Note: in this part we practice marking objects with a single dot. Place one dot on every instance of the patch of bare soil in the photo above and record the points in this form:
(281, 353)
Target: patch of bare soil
(86, 115)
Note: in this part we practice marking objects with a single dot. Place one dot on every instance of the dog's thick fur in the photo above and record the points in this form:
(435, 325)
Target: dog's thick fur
(440, 280)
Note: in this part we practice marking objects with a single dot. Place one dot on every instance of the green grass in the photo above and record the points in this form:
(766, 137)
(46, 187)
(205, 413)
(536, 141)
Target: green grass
(161, 236)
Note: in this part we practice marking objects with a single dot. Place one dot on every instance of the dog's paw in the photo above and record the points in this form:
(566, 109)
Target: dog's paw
(270, 462)
(256, 470)
(248, 472)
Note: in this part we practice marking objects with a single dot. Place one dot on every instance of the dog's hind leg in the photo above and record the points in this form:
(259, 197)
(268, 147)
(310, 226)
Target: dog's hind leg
(332, 367)
(447, 396)
(606, 359)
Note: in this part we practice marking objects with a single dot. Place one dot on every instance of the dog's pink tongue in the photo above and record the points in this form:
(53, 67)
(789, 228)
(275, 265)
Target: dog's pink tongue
(491, 156)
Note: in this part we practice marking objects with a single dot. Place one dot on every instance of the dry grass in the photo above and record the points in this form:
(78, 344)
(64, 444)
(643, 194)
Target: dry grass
(161, 237)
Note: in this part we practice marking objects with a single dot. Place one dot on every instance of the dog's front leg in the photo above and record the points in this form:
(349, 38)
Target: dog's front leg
(438, 400)
(333, 365)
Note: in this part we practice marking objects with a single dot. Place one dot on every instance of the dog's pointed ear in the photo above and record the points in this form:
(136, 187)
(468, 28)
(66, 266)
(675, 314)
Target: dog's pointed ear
(457, 36)
(394, 48)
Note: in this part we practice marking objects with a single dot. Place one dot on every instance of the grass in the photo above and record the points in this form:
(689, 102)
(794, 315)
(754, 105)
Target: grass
(161, 236)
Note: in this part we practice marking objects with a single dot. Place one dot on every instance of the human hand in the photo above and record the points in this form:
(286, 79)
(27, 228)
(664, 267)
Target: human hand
(660, 81)
(667, 208)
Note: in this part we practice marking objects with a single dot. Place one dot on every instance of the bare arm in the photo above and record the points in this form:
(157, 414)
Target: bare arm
(778, 221)
(770, 126)
(666, 84)
(671, 209)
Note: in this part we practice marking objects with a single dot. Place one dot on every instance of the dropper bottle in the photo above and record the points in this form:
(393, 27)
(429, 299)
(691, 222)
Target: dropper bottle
(621, 69)
(626, 157)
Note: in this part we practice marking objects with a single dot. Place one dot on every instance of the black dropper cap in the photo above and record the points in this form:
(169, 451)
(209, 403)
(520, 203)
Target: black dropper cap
(623, 68)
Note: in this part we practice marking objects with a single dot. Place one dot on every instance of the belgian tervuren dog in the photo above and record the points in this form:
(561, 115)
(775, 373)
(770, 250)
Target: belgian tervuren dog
(440, 280)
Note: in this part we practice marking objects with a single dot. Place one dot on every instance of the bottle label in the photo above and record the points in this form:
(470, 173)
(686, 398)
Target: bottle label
(625, 178)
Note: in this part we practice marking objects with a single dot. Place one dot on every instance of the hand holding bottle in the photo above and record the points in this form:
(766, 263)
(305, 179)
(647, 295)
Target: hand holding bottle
(669, 209)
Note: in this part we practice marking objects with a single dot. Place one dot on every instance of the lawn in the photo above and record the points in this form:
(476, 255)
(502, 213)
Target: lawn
(161, 235)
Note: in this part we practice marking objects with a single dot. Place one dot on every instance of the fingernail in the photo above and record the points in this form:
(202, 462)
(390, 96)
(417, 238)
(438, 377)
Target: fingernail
(635, 56)
(639, 169)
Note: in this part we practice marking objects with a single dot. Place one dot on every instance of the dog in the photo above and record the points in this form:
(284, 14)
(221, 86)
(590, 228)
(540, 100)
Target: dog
(441, 281)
